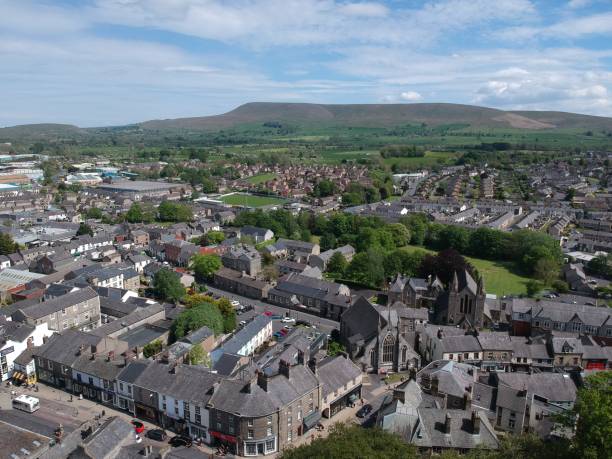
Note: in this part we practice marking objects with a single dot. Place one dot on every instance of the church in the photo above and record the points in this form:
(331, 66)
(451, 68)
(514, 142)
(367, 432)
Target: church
(382, 338)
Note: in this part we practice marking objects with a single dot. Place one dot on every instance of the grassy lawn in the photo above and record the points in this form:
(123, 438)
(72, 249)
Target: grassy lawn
(431, 158)
(500, 278)
(242, 199)
(261, 178)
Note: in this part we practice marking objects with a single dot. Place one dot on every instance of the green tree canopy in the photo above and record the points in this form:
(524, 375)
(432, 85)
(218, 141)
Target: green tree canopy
(350, 442)
(84, 228)
(337, 264)
(7, 245)
(169, 211)
(167, 286)
(202, 314)
(205, 266)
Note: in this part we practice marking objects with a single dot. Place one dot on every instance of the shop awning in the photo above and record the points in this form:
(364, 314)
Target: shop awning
(18, 376)
(311, 420)
(222, 436)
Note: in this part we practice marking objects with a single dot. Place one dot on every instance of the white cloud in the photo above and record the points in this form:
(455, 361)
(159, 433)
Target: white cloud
(365, 9)
(410, 96)
(575, 4)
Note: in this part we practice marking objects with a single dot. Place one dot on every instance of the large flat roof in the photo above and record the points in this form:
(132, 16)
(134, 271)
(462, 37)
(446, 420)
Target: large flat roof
(137, 185)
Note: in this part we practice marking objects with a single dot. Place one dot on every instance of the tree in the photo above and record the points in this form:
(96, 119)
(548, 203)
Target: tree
(337, 264)
(328, 241)
(7, 245)
(444, 265)
(198, 356)
(174, 212)
(167, 286)
(324, 188)
(345, 440)
(533, 287)
(229, 315)
(560, 286)
(84, 228)
(417, 226)
(334, 348)
(94, 213)
(367, 269)
(399, 233)
(212, 238)
(205, 266)
(270, 272)
(134, 214)
(203, 314)
(546, 270)
(594, 413)
(151, 349)
(601, 265)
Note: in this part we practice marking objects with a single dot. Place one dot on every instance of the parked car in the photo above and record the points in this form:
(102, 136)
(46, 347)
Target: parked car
(303, 323)
(364, 411)
(287, 327)
(157, 434)
(242, 323)
(139, 427)
(235, 303)
(181, 440)
(288, 320)
(268, 313)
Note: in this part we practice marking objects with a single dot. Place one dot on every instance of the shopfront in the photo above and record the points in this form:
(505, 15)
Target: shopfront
(221, 439)
(259, 447)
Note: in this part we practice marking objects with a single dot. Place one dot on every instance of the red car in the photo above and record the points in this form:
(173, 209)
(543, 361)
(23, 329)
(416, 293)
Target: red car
(268, 313)
(139, 427)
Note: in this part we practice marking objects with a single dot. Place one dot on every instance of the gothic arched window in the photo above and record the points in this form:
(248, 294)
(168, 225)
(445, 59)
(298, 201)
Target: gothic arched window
(373, 357)
(404, 353)
(387, 354)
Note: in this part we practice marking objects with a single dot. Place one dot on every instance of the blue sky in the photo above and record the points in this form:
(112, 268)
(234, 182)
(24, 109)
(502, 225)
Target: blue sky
(111, 62)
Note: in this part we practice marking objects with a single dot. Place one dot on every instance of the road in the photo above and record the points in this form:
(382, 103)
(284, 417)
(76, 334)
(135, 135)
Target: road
(323, 324)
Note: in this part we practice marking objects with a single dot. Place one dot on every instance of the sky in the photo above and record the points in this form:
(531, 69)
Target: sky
(114, 62)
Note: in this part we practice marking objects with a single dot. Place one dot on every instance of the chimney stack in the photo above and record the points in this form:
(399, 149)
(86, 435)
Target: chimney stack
(447, 424)
(475, 423)
(467, 401)
(284, 368)
(262, 380)
(434, 385)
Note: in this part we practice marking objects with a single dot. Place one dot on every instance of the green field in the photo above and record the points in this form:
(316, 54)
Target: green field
(242, 199)
(261, 178)
(500, 278)
(431, 158)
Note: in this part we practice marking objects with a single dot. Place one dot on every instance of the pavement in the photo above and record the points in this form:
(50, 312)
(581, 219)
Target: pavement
(323, 324)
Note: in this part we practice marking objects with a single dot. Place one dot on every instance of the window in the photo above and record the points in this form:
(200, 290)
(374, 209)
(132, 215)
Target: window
(388, 349)
(289, 421)
(231, 429)
(490, 356)
(269, 431)
(251, 449)
(373, 357)
(511, 423)
(63, 312)
(121, 386)
(65, 325)
(270, 445)
(250, 433)
(289, 436)
(269, 419)
(250, 422)
(466, 355)
(90, 381)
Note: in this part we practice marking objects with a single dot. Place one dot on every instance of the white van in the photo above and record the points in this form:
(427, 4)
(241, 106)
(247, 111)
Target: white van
(26, 403)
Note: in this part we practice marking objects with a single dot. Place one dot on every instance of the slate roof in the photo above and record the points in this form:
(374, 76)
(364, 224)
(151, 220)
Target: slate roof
(430, 432)
(14, 331)
(453, 378)
(51, 306)
(335, 372)
(227, 364)
(243, 336)
(106, 442)
(555, 387)
(64, 347)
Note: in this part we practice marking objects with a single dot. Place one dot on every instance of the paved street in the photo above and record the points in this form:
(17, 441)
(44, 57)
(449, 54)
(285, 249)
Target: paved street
(325, 325)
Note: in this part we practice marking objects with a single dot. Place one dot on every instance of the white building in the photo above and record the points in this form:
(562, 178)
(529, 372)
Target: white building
(16, 337)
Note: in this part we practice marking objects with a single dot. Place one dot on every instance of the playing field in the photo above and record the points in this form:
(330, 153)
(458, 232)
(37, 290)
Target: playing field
(261, 178)
(242, 199)
(499, 276)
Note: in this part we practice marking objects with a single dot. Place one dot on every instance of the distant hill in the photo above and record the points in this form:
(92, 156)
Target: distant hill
(383, 115)
(41, 131)
(319, 115)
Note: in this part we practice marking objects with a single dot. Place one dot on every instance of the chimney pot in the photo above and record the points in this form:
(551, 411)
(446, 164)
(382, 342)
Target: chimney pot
(475, 423)
(447, 424)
